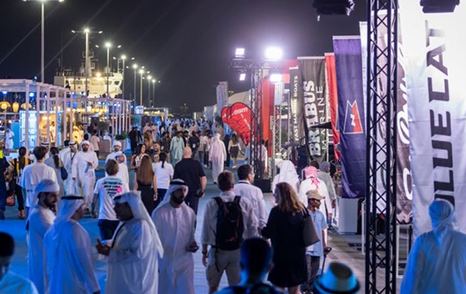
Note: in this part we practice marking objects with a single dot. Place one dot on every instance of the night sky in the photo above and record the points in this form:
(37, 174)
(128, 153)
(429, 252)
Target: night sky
(186, 44)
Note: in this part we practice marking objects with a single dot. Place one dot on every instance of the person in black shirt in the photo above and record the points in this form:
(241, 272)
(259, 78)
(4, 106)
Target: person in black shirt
(194, 143)
(134, 137)
(192, 173)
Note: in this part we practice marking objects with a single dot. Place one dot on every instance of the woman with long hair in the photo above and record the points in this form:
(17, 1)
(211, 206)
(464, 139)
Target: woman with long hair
(16, 170)
(55, 162)
(138, 155)
(164, 172)
(234, 149)
(285, 229)
(146, 183)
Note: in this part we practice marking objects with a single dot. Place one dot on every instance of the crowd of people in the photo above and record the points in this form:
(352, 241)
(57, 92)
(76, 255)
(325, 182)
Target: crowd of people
(147, 222)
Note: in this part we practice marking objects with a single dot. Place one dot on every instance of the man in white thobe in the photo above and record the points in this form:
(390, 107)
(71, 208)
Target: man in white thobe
(116, 150)
(68, 157)
(437, 261)
(83, 171)
(176, 148)
(217, 156)
(65, 150)
(68, 251)
(40, 220)
(33, 174)
(246, 189)
(123, 173)
(10, 282)
(134, 251)
(175, 222)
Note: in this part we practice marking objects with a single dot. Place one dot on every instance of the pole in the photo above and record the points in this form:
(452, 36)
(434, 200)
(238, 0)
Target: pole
(153, 95)
(86, 61)
(135, 85)
(148, 90)
(123, 80)
(42, 43)
(140, 90)
(108, 69)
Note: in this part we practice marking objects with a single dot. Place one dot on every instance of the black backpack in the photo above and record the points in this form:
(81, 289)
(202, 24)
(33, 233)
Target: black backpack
(230, 225)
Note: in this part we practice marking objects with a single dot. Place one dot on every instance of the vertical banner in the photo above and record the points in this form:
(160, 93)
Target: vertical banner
(333, 100)
(267, 100)
(403, 166)
(295, 104)
(351, 115)
(314, 97)
(222, 96)
(435, 63)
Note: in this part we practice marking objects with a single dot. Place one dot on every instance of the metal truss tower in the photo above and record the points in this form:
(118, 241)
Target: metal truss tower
(380, 209)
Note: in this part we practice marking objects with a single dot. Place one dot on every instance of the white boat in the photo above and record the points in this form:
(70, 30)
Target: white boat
(96, 85)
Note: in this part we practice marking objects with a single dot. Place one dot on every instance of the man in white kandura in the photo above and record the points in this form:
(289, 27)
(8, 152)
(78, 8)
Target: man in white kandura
(134, 251)
(175, 222)
(68, 251)
(68, 157)
(84, 166)
(33, 174)
(40, 220)
(217, 155)
(116, 149)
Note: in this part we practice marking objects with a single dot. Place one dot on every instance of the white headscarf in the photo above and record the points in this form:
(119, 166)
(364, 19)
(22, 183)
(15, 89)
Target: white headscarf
(139, 212)
(175, 184)
(441, 212)
(287, 174)
(68, 206)
(48, 186)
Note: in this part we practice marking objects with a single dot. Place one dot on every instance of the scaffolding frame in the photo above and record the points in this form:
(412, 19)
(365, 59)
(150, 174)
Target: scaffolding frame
(381, 243)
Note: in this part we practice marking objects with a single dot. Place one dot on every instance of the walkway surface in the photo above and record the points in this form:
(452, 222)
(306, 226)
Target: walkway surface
(342, 251)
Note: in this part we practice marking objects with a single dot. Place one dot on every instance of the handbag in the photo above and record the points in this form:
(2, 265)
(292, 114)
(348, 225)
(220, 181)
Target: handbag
(310, 235)
(64, 173)
(10, 200)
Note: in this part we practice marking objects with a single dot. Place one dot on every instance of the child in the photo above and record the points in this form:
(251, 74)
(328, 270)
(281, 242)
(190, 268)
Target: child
(316, 251)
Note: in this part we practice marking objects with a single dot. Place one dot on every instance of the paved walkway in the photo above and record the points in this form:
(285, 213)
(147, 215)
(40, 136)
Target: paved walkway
(341, 250)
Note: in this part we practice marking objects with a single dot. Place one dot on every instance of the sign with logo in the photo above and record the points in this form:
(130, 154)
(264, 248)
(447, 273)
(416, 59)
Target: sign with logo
(238, 116)
(434, 52)
(351, 115)
(314, 99)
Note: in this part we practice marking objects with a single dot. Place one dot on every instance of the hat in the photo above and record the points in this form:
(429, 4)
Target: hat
(116, 143)
(338, 278)
(314, 194)
(48, 186)
(85, 142)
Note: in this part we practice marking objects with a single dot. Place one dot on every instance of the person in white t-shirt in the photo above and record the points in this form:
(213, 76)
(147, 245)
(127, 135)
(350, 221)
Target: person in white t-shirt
(33, 174)
(164, 173)
(106, 189)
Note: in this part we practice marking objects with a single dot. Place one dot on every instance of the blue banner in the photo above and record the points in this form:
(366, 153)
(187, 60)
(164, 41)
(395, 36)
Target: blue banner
(351, 115)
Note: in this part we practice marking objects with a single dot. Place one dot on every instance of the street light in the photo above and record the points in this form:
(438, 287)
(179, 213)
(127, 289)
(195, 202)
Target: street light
(242, 77)
(123, 59)
(149, 80)
(240, 52)
(135, 68)
(273, 53)
(108, 45)
(87, 60)
(42, 34)
(141, 72)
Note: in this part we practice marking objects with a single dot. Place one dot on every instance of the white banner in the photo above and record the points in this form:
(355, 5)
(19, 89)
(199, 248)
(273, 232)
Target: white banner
(434, 46)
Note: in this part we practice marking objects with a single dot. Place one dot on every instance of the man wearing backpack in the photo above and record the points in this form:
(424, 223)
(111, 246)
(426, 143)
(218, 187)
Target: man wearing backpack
(228, 220)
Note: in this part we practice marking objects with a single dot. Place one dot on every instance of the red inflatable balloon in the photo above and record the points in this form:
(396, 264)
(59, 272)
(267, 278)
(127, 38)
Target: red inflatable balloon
(239, 116)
